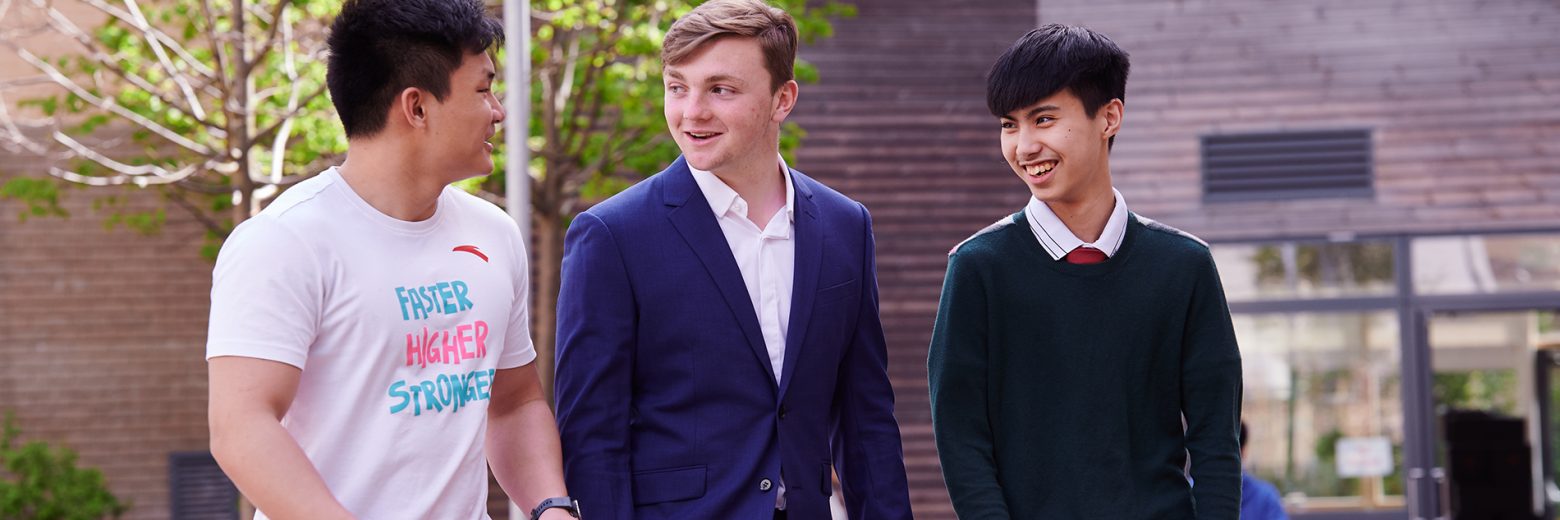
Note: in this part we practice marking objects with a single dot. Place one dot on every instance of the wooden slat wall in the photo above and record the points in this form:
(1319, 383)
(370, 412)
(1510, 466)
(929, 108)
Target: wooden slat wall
(1463, 98)
(898, 121)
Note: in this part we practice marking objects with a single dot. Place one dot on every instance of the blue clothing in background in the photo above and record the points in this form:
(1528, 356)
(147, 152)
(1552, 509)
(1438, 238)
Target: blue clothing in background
(1259, 500)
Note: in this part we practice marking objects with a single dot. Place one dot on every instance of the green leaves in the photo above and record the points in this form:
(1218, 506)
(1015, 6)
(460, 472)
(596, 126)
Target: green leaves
(44, 483)
(618, 69)
(184, 101)
(41, 197)
(596, 61)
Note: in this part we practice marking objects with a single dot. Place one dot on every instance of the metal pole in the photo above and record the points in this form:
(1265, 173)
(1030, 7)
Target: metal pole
(517, 76)
(517, 127)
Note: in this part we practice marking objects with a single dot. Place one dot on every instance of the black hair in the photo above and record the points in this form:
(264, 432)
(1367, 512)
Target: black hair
(1243, 435)
(379, 48)
(1056, 57)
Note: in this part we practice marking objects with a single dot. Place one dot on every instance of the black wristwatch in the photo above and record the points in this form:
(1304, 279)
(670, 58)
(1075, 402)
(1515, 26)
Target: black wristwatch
(564, 503)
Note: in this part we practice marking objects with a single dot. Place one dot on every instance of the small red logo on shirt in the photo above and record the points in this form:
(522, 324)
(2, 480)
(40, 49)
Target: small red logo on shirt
(473, 250)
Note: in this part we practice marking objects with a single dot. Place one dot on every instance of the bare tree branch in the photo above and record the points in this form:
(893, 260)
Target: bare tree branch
(16, 139)
(103, 60)
(277, 21)
(24, 82)
(588, 83)
(200, 215)
(151, 33)
(303, 104)
(216, 48)
(279, 147)
(176, 75)
(109, 105)
(139, 175)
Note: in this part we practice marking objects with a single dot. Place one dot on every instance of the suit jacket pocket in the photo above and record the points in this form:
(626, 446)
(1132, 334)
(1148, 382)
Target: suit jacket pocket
(668, 485)
(835, 292)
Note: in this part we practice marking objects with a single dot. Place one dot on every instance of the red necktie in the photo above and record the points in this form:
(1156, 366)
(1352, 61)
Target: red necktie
(1085, 255)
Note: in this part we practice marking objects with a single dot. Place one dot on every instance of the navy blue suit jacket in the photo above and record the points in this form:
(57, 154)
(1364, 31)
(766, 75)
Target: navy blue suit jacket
(667, 403)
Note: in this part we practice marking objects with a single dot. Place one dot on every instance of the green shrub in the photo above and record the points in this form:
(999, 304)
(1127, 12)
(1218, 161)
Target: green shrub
(43, 483)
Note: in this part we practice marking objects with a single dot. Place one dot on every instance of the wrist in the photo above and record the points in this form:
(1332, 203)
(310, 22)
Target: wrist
(556, 508)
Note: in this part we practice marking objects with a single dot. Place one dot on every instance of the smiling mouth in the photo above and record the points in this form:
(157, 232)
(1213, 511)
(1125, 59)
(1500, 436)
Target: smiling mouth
(1040, 168)
(701, 136)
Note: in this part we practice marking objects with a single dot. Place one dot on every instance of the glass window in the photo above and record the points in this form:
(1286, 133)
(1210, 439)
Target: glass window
(1315, 381)
(1293, 270)
(1486, 264)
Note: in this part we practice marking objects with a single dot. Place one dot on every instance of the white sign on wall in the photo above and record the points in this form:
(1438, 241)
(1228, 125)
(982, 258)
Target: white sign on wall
(1364, 457)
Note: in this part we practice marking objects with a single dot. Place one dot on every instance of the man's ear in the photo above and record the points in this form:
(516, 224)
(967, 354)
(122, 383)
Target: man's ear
(410, 107)
(1112, 112)
(785, 100)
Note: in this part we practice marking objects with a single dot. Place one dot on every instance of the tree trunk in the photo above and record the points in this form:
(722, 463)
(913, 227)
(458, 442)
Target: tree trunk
(547, 257)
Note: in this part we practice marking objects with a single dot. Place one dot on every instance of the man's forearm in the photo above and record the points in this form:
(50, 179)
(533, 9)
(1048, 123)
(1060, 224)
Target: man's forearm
(523, 449)
(271, 470)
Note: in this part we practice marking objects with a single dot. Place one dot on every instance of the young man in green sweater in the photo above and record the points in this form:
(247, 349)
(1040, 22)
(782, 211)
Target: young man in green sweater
(1083, 364)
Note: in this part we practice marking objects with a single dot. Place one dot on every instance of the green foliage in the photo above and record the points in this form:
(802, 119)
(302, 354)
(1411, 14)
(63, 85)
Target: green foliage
(605, 128)
(1487, 390)
(44, 483)
(41, 197)
(611, 131)
(198, 90)
(1342, 266)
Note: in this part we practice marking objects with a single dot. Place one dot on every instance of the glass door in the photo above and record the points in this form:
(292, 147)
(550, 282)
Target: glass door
(1547, 370)
(1487, 411)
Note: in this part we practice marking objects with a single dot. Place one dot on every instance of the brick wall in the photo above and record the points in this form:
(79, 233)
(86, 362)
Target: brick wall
(102, 340)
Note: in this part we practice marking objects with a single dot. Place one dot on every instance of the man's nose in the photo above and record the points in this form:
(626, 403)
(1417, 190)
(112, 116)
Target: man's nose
(695, 108)
(1029, 144)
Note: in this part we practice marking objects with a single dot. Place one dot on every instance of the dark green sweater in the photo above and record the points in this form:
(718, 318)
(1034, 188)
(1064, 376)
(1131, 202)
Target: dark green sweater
(1058, 389)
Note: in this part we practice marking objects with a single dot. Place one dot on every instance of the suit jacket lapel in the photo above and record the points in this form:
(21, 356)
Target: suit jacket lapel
(690, 214)
(808, 234)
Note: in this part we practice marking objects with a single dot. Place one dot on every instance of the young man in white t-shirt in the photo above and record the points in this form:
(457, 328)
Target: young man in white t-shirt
(369, 350)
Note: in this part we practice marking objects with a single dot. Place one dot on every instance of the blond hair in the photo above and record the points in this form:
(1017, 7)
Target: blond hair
(772, 27)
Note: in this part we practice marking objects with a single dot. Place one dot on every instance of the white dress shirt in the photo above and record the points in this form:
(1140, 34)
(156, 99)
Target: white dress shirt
(1058, 240)
(766, 257)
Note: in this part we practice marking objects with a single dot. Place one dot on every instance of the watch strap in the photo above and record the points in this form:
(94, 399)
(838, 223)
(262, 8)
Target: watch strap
(565, 503)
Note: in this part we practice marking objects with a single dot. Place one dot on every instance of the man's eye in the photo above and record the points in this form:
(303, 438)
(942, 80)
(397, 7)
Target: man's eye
(1007, 125)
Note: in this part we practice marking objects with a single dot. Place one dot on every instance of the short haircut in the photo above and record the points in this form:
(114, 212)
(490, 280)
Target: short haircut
(379, 48)
(1056, 57)
(772, 27)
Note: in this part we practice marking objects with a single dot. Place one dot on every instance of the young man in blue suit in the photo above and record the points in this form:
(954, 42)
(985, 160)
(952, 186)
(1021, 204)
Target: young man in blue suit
(719, 349)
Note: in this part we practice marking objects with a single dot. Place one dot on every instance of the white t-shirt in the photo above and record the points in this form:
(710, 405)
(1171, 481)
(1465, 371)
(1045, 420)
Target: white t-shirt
(398, 328)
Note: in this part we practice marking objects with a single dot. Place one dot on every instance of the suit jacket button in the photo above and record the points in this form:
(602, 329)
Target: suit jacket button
(765, 485)
(782, 413)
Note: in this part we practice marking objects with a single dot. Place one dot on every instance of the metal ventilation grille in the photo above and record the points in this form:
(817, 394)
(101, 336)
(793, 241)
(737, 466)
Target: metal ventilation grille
(1286, 165)
(199, 488)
